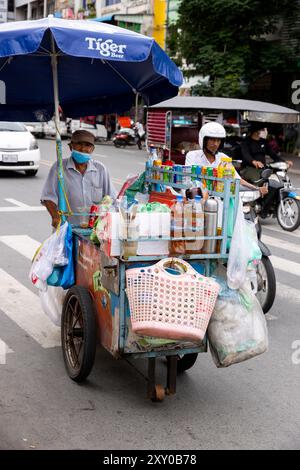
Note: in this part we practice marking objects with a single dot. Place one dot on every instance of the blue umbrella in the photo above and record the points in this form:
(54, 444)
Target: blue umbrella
(99, 69)
(86, 67)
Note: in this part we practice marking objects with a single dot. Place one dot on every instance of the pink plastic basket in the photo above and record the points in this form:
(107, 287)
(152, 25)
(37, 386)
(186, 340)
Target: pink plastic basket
(173, 306)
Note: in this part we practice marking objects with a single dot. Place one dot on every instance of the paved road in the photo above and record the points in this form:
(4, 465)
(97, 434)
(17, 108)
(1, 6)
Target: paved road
(253, 405)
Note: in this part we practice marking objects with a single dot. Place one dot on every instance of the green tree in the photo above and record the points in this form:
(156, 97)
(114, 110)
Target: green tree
(229, 41)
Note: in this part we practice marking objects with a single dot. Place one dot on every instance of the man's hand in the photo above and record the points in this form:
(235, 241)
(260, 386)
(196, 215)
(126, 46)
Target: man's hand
(257, 164)
(55, 221)
(290, 163)
(263, 190)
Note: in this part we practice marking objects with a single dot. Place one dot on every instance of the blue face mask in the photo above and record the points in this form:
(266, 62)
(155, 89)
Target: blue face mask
(80, 157)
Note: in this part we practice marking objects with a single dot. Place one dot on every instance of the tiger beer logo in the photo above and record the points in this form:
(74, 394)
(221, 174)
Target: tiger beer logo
(106, 48)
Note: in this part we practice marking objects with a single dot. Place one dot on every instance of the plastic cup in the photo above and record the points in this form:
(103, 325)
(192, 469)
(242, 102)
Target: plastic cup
(83, 217)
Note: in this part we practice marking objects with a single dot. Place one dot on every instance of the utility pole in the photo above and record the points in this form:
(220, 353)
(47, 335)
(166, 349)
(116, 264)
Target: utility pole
(45, 9)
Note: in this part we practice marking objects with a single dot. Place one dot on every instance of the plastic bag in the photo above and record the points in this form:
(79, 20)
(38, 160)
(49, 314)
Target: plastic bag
(64, 276)
(52, 302)
(243, 250)
(51, 253)
(237, 330)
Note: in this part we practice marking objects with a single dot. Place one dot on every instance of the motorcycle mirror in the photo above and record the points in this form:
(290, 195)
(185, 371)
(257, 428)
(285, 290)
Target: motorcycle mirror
(265, 174)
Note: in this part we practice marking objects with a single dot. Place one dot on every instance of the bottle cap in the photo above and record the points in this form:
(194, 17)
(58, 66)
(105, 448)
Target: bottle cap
(226, 159)
(198, 198)
(179, 198)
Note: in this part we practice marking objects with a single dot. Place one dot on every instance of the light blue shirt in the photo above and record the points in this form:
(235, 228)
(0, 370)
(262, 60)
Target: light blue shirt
(82, 190)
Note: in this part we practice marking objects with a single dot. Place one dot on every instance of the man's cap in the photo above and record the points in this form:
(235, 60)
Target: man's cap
(82, 135)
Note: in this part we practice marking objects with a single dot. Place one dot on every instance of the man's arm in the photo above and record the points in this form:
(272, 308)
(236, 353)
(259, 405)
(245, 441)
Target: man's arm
(53, 211)
(49, 197)
(248, 158)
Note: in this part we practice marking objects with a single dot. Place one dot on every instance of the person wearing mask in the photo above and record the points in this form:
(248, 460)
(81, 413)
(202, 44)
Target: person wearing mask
(87, 181)
(211, 140)
(254, 150)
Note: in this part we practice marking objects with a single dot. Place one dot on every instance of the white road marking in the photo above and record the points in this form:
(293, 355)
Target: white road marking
(278, 229)
(23, 209)
(23, 244)
(24, 308)
(100, 155)
(285, 265)
(4, 349)
(16, 203)
(286, 292)
(282, 244)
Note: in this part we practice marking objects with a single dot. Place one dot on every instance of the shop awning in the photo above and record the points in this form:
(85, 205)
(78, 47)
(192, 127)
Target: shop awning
(104, 18)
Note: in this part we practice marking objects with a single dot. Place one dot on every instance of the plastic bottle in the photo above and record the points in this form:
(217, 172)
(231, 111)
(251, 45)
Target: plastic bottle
(210, 225)
(130, 242)
(228, 171)
(195, 246)
(177, 246)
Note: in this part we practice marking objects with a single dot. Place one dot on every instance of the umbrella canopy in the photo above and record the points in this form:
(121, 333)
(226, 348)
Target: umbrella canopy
(99, 69)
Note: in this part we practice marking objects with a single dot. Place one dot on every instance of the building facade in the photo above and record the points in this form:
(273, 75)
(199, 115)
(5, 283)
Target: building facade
(7, 12)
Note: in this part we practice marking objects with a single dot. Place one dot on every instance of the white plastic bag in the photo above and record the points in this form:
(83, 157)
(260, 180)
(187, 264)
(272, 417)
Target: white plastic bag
(50, 254)
(243, 250)
(237, 330)
(52, 302)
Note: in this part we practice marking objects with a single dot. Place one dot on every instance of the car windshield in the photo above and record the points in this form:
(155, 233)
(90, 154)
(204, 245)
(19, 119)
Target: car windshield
(12, 127)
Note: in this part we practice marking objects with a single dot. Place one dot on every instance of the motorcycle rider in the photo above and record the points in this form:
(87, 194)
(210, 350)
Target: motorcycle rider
(211, 140)
(253, 152)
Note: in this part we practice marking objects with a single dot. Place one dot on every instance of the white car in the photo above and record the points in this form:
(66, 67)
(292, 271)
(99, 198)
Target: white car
(18, 148)
(99, 131)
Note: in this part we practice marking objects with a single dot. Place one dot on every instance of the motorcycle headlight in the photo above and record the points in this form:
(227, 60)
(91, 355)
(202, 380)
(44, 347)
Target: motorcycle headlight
(33, 144)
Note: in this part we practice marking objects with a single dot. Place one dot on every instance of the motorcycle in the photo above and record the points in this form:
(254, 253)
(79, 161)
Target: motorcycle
(286, 203)
(126, 136)
(265, 283)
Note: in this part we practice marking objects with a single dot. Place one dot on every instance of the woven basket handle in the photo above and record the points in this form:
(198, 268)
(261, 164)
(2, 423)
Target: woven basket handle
(175, 262)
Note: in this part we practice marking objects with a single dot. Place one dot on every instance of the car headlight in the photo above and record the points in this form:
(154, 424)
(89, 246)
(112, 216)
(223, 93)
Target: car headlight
(33, 144)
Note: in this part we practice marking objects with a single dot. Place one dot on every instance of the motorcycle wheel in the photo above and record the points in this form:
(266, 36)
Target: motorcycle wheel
(266, 284)
(289, 219)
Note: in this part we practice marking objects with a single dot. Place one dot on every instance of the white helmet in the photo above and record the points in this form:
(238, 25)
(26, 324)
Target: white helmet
(213, 130)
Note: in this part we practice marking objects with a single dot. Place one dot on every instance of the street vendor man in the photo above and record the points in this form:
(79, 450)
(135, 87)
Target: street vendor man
(87, 181)
(211, 139)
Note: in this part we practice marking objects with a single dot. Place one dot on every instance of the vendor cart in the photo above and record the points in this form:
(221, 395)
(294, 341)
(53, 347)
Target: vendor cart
(89, 68)
(96, 309)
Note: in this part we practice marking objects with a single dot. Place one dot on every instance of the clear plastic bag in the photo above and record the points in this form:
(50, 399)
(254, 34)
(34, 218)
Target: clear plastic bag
(243, 250)
(237, 330)
(52, 302)
(51, 253)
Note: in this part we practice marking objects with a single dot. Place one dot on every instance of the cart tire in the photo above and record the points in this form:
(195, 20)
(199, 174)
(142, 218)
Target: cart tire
(186, 362)
(159, 393)
(78, 333)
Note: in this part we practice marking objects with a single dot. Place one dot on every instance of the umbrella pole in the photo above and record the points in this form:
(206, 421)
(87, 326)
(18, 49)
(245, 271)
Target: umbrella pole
(62, 205)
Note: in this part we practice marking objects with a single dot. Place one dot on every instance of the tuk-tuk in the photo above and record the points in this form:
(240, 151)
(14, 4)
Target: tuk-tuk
(174, 124)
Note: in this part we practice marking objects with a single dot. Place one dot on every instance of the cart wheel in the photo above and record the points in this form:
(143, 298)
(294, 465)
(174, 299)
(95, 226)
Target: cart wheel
(78, 333)
(158, 393)
(186, 362)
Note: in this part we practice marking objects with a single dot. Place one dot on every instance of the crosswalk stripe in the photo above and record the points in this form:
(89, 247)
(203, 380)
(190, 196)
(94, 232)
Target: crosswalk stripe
(15, 202)
(285, 265)
(282, 244)
(284, 291)
(24, 308)
(23, 244)
(276, 229)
